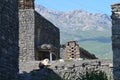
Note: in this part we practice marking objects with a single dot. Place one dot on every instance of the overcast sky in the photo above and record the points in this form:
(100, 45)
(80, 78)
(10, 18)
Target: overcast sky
(100, 6)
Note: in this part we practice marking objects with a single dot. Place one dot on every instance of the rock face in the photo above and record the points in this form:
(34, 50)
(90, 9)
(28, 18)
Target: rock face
(8, 39)
(116, 39)
(34, 31)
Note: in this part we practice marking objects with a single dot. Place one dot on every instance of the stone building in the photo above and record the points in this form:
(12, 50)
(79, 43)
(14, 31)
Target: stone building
(116, 39)
(26, 4)
(8, 39)
(73, 50)
(37, 36)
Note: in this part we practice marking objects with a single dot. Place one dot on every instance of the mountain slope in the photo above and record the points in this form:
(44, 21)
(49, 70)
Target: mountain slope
(91, 30)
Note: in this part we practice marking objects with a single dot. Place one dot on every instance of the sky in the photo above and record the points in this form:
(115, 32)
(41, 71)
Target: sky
(97, 6)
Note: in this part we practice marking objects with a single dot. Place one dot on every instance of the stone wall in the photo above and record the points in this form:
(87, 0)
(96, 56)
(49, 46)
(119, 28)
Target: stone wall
(26, 4)
(26, 34)
(46, 33)
(31, 70)
(74, 67)
(116, 39)
(8, 39)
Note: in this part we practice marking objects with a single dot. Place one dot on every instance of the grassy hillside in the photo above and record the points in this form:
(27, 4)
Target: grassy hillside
(102, 50)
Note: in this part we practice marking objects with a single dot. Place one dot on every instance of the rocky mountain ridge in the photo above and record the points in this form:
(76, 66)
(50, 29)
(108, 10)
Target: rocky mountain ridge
(79, 19)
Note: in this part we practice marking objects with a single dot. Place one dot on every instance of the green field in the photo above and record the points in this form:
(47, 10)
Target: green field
(101, 50)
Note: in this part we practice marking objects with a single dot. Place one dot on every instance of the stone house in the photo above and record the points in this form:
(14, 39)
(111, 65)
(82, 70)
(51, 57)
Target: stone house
(73, 50)
(38, 37)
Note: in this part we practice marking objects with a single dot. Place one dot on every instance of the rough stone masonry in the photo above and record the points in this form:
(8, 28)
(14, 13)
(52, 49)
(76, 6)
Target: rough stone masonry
(116, 39)
(8, 39)
(35, 31)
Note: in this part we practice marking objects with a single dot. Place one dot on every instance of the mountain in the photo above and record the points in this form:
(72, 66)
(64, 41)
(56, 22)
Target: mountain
(91, 30)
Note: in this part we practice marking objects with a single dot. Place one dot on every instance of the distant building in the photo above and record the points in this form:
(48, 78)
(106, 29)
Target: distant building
(72, 50)
(37, 36)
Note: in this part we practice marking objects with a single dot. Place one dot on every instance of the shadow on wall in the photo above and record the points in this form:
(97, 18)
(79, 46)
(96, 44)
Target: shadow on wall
(9, 49)
(40, 74)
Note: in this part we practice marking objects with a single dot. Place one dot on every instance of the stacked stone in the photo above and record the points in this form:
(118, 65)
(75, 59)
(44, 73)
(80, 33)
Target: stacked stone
(8, 39)
(81, 66)
(116, 39)
(26, 34)
(62, 68)
(26, 4)
(72, 50)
